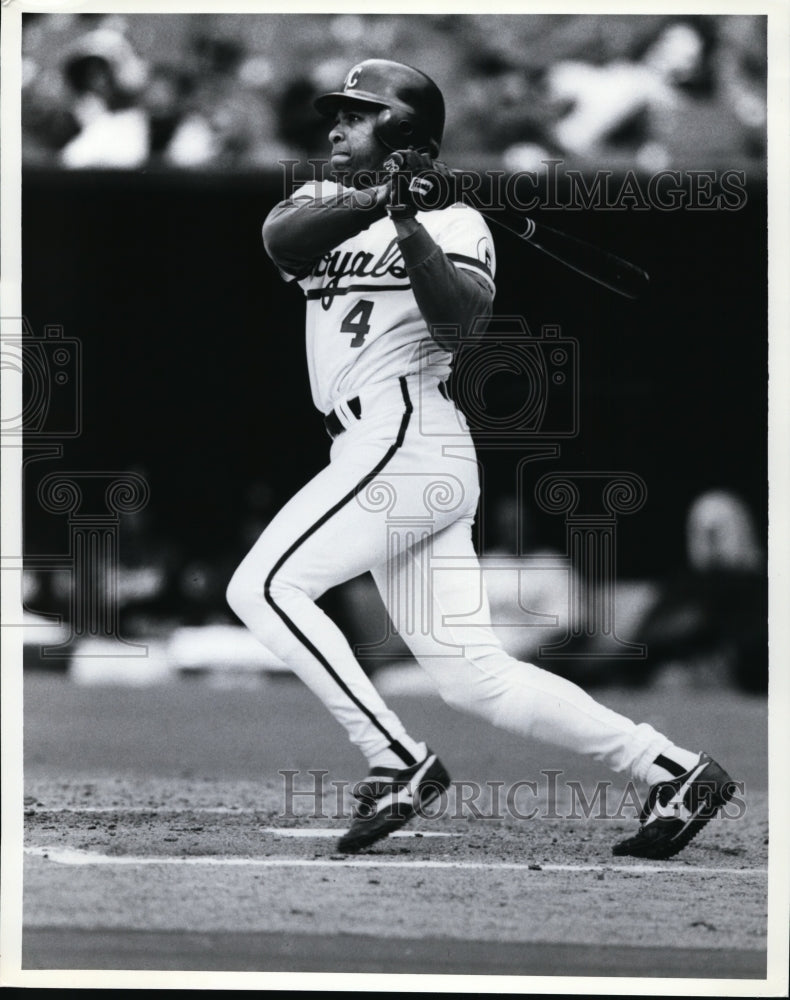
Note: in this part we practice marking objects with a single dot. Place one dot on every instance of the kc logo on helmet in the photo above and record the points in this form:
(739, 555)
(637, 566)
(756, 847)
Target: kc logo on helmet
(353, 78)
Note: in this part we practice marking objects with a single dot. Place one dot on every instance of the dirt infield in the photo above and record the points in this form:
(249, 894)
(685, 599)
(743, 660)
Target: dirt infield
(181, 828)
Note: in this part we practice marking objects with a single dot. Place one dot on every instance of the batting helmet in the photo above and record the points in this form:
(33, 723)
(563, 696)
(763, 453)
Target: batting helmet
(412, 106)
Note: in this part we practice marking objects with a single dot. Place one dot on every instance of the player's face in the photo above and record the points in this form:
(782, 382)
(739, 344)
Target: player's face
(356, 154)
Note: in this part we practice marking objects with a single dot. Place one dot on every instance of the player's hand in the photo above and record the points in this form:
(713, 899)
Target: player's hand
(377, 194)
(419, 184)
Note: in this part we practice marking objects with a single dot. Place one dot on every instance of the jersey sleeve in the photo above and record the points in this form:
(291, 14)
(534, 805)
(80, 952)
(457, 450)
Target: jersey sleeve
(303, 195)
(315, 219)
(464, 237)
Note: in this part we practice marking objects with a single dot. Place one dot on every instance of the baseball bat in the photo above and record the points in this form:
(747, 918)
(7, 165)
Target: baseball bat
(592, 262)
(599, 265)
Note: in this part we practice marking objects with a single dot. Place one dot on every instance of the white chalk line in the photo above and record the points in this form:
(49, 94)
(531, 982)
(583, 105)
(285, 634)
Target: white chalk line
(72, 856)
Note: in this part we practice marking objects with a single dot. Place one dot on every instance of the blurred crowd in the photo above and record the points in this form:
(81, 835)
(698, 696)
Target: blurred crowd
(234, 91)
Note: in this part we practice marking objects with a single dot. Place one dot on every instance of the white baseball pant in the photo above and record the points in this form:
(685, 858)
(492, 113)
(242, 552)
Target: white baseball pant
(398, 499)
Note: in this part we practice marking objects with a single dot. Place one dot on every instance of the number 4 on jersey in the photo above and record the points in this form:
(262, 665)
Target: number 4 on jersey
(358, 322)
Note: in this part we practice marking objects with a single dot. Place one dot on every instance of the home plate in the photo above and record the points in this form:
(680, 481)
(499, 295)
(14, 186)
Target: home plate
(310, 832)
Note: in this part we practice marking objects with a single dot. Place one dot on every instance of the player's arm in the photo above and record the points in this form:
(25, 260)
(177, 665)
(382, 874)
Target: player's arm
(299, 231)
(448, 296)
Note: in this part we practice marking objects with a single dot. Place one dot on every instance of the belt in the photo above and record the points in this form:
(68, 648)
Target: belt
(332, 422)
(335, 426)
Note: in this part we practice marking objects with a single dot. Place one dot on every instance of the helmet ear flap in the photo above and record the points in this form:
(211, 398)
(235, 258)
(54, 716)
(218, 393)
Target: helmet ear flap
(396, 129)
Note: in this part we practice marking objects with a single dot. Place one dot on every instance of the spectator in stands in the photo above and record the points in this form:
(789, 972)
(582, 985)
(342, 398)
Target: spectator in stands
(48, 122)
(714, 615)
(106, 78)
(224, 118)
(741, 67)
(648, 111)
(166, 100)
(503, 106)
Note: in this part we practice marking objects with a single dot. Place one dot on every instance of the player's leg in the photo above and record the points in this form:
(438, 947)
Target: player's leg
(383, 467)
(321, 538)
(459, 650)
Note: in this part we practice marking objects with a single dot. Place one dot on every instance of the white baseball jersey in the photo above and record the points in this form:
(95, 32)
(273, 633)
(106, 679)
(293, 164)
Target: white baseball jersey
(363, 324)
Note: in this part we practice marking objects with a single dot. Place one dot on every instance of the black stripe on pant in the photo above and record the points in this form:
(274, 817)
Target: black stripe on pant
(396, 746)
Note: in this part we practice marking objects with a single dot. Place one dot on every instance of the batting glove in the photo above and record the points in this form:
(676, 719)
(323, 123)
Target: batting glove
(419, 184)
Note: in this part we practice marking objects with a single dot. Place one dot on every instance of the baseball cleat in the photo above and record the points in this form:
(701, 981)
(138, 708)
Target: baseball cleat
(388, 798)
(676, 811)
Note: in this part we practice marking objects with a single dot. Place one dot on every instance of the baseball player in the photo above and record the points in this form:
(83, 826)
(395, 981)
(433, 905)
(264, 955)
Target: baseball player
(384, 280)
